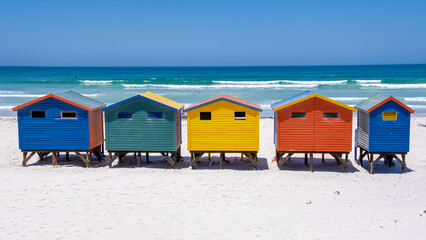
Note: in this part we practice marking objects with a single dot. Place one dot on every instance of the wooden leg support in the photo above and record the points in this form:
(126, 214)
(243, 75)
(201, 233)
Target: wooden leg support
(195, 158)
(372, 163)
(252, 157)
(311, 156)
(222, 158)
(402, 162)
(54, 158)
(85, 159)
(138, 158)
(147, 158)
(169, 159)
(306, 159)
(281, 161)
(26, 158)
(111, 158)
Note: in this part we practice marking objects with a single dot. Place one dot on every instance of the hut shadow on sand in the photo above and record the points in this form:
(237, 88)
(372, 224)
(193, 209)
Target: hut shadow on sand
(328, 165)
(383, 168)
(231, 163)
(72, 161)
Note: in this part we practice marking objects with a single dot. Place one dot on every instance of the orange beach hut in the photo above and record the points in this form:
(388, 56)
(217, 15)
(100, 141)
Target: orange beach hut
(310, 123)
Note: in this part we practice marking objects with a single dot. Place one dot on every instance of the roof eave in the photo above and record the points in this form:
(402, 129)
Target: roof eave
(220, 99)
(390, 98)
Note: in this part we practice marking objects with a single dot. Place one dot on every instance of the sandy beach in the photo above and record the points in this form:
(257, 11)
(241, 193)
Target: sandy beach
(69, 201)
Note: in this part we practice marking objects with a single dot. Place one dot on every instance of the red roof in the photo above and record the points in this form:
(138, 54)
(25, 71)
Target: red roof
(226, 98)
(391, 98)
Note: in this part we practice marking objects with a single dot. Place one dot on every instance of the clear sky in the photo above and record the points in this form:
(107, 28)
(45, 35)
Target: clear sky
(211, 33)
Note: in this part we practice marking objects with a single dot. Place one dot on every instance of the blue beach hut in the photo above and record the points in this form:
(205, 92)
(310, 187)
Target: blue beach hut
(65, 122)
(383, 128)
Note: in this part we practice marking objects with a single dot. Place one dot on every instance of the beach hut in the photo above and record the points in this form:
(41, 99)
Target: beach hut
(310, 123)
(146, 123)
(383, 128)
(65, 122)
(223, 124)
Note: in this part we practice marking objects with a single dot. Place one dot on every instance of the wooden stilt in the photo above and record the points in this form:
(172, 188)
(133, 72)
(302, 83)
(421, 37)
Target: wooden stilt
(210, 158)
(110, 160)
(281, 160)
(67, 156)
(168, 159)
(138, 158)
(323, 160)
(222, 158)
(26, 158)
(195, 158)
(312, 161)
(54, 160)
(242, 157)
(147, 158)
(306, 159)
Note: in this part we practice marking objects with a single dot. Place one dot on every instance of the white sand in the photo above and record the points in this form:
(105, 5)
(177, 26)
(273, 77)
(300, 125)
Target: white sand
(155, 202)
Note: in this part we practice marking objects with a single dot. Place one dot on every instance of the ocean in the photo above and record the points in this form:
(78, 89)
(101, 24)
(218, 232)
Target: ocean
(188, 85)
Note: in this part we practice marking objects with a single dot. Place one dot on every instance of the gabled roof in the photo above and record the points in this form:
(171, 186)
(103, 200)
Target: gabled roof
(70, 97)
(303, 97)
(225, 98)
(377, 100)
(152, 97)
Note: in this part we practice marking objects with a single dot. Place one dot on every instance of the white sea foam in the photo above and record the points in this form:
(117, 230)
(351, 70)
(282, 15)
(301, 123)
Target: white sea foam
(333, 82)
(394, 86)
(247, 82)
(368, 81)
(415, 99)
(7, 107)
(349, 99)
(417, 106)
(96, 82)
(10, 92)
(220, 86)
(91, 95)
(22, 95)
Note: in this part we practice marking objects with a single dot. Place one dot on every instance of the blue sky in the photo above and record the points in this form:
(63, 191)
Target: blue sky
(211, 33)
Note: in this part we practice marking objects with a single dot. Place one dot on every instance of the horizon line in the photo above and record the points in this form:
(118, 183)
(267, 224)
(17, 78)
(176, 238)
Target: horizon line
(212, 66)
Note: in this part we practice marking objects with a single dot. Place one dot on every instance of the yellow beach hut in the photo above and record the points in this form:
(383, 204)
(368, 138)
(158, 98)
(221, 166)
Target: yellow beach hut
(223, 124)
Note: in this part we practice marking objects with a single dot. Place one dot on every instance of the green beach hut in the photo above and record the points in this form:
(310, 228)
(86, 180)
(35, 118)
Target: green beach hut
(146, 123)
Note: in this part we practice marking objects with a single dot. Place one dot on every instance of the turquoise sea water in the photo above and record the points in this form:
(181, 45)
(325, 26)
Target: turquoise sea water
(261, 85)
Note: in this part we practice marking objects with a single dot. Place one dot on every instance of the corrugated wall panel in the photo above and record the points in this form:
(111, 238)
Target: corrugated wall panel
(53, 132)
(332, 134)
(96, 128)
(390, 136)
(140, 133)
(123, 134)
(363, 129)
(223, 132)
(178, 127)
(158, 134)
(296, 134)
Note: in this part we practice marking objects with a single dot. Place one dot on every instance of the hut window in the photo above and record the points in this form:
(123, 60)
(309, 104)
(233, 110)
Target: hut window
(389, 116)
(68, 114)
(155, 115)
(298, 115)
(205, 116)
(124, 115)
(240, 115)
(330, 115)
(38, 114)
